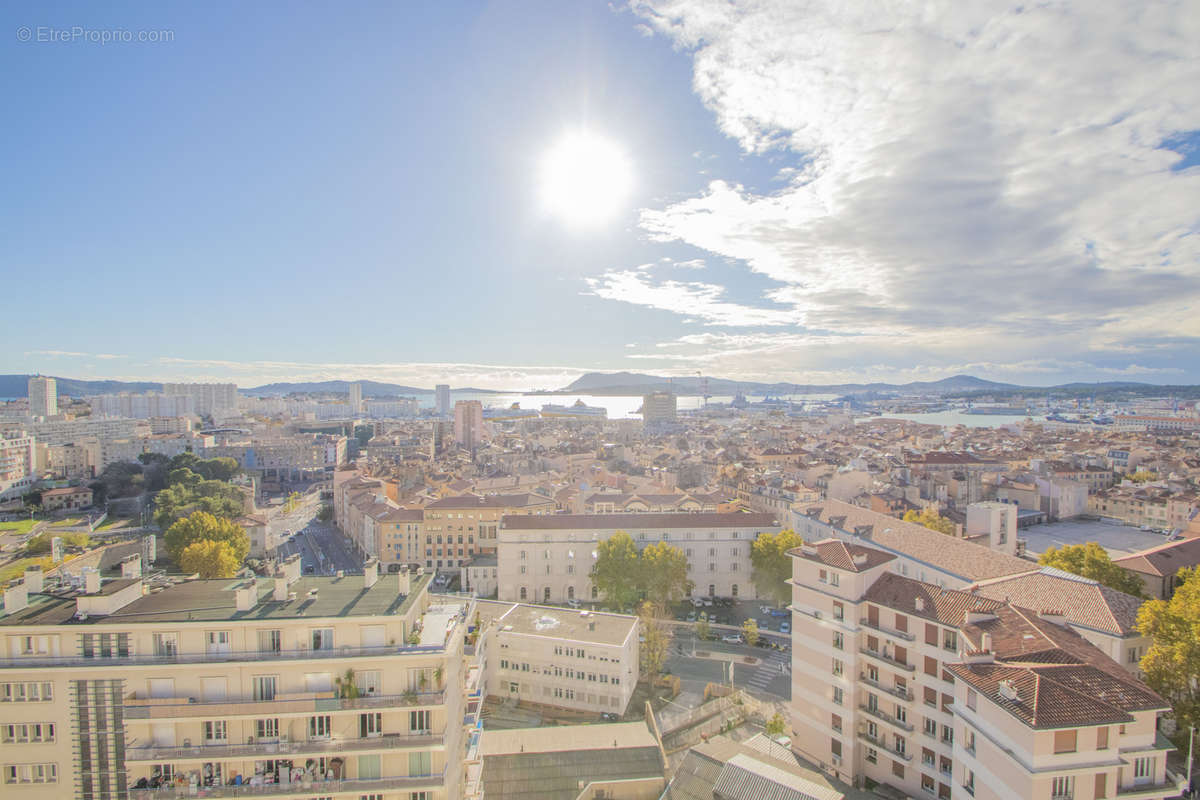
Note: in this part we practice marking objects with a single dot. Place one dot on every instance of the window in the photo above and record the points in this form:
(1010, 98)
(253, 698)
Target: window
(969, 741)
(834, 579)
(263, 687)
(838, 641)
(836, 723)
(1063, 788)
(319, 727)
(419, 721)
(950, 640)
(1102, 739)
(31, 773)
(266, 729)
(1065, 741)
(839, 695)
(838, 667)
(322, 639)
(835, 746)
(839, 611)
(1143, 769)
(898, 769)
(27, 692)
(928, 784)
(165, 644)
(214, 731)
(971, 699)
(270, 641)
(931, 666)
(930, 727)
(872, 755)
(969, 783)
(27, 732)
(420, 763)
(370, 725)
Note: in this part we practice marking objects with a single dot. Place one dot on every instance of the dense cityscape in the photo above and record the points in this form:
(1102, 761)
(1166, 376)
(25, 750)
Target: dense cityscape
(600, 400)
(221, 592)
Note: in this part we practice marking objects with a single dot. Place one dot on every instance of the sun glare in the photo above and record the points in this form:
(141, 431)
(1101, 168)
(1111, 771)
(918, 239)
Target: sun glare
(585, 179)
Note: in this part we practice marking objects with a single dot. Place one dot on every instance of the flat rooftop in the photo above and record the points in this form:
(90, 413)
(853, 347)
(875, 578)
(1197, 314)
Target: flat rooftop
(216, 600)
(1118, 540)
(559, 738)
(565, 624)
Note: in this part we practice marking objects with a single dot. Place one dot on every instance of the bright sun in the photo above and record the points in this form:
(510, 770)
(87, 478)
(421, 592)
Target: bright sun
(585, 179)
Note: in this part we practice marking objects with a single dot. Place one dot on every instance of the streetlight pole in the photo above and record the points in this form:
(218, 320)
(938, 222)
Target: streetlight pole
(1191, 751)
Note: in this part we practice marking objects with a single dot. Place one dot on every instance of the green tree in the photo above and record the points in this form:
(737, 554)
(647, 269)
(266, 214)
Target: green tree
(209, 559)
(772, 567)
(703, 630)
(218, 469)
(655, 640)
(292, 501)
(616, 570)
(1172, 664)
(201, 526)
(1143, 475)
(930, 518)
(663, 574)
(325, 514)
(41, 544)
(750, 631)
(1091, 561)
(180, 500)
(776, 725)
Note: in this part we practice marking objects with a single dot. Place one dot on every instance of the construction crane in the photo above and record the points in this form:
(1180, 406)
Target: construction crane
(703, 389)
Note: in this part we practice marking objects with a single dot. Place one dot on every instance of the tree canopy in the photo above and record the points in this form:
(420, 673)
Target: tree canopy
(772, 567)
(615, 572)
(200, 526)
(655, 640)
(930, 518)
(210, 559)
(1172, 664)
(624, 576)
(182, 499)
(1091, 561)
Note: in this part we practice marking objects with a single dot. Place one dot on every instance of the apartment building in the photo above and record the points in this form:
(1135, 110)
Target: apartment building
(548, 558)
(43, 396)
(66, 431)
(468, 423)
(627, 503)
(77, 460)
(458, 527)
(882, 663)
(16, 464)
(564, 659)
(286, 687)
(142, 406)
(209, 399)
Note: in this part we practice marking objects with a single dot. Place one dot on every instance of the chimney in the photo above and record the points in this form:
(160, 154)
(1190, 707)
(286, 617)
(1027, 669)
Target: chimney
(1008, 690)
(291, 569)
(246, 595)
(16, 597)
(370, 572)
(280, 594)
(405, 582)
(33, 578)
(131, 566)
(1053, 616)
(860, 559)
(986, 643)
(91, 580)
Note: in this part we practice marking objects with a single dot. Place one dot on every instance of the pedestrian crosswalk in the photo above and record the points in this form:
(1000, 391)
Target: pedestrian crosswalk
(769, 669)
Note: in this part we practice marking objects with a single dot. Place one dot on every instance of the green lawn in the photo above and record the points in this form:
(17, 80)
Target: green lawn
(16, 569)
(119, 522)
(19, 527)
(68, 522)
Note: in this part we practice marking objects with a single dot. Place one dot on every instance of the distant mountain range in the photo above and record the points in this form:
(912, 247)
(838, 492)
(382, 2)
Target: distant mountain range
(633, 383)
(18, 386)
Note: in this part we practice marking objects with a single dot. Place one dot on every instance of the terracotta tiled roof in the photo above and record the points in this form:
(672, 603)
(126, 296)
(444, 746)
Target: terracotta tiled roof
(1166, 559)
(1083, 601)
(970, 561)
(946, 606)
(637, 521)
(840, 555)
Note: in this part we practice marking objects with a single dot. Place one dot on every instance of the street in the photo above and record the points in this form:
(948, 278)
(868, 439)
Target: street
(323, 548)
(770, 678)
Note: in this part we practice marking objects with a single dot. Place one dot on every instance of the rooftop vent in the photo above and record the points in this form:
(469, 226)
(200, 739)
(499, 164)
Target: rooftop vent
(1008, 690)
(920, 603)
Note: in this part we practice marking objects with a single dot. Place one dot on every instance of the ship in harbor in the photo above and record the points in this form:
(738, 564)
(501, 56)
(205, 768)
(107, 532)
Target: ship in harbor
(579, 409)
(512, 412)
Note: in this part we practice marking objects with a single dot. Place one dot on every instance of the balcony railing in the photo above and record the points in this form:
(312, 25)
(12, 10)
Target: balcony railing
(172, 707)
(888, 718)
(903, 694)
(34, 661)
(363, 785)
(883, 745)
(891, 662)
(388, 741)
(895, 634)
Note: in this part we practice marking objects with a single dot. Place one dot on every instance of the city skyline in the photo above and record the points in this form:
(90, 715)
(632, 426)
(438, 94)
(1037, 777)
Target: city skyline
(814, 195)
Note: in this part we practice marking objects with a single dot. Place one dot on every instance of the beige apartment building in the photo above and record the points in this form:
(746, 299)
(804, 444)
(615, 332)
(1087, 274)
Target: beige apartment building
(457, 528)
(548, 558)
(581, 661)
(901, 682)
(288, 687)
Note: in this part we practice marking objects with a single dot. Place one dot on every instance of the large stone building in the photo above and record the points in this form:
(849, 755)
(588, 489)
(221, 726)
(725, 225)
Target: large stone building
(286, 687)
(548, 558)
(43, 396)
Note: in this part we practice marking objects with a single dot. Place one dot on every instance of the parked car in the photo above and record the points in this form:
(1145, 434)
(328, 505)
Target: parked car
(608, 716)
(764, 609)
(785, 627)
(573, 603)
(707, 601)
(732, 638)
(697, 602)
(780, 612)
(691, 617)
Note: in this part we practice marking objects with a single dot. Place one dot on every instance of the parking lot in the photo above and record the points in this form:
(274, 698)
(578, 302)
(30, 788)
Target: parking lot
(1118, 540)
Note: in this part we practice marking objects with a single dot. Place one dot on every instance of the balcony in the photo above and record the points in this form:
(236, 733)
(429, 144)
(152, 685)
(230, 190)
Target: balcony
(290, 703)
(903, 694)
(908, 637)
(883, 745)
(264, 656)
(1175, 784)
(363, 786)
(888, 660)
(888, 718)
(205, 752)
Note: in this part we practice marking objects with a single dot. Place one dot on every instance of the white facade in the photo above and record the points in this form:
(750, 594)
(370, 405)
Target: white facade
(209, 398)
(16, 465)
(43, 396)
(142, 406)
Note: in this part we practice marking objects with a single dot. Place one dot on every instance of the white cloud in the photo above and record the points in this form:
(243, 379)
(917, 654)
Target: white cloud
(699, 301)
(958, 167)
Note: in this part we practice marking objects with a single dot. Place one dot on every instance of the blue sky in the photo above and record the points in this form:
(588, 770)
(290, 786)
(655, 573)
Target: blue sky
(300, 191)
